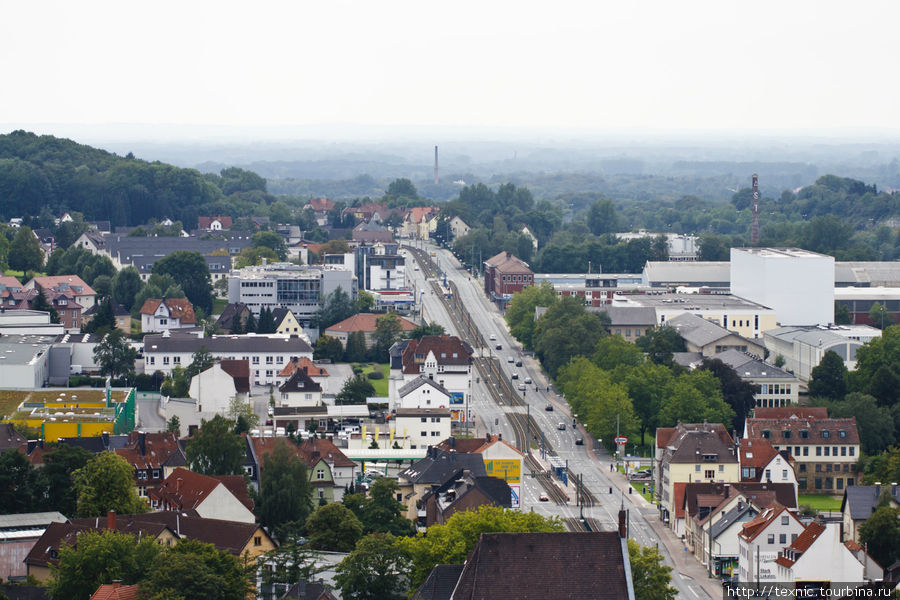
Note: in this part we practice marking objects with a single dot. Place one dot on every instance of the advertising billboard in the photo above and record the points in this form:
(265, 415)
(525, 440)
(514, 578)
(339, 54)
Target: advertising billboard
(508, 470)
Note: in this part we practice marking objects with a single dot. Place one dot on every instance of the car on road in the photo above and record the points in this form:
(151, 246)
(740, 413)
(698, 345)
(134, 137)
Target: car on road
(521, 387)
(492, 337)
(561, 426)
(416, 268)
(579, 441)
(509, 359)
(518, 362)
(549, 408)
(499, 347)
(544, 498)
(527, 380)
(515, 376)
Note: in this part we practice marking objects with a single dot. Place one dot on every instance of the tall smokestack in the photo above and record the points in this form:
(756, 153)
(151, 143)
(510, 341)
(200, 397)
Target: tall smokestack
(435, 166)
(754, 233)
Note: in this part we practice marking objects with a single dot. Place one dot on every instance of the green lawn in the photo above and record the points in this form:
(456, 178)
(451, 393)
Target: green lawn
(219, 305)
(381, 385)
(639, 486)
(820, 502)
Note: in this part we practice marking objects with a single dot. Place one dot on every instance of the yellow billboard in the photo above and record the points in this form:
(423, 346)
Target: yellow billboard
(510, 470)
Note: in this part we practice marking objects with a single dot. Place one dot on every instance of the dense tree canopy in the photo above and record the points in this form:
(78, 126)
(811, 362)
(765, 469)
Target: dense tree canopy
(285, 494)
(105, 483)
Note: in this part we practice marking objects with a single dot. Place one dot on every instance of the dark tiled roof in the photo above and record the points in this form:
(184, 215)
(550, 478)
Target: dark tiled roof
(506, 262)
(761, 494)
(816, 429)
(240, 373)
(751, 367)
(692, 442)
(440, 583)
(97, 443)
(10, 438)
(230, 536)
(226, 343)
(551, 565)
(300, 381)
(736, 514)
(56, 534)
(447, 350)
(229, 313)
(439, 466)
(862, 500)
(25, 592)
(697, 330)
(419, 382)
(149, 450)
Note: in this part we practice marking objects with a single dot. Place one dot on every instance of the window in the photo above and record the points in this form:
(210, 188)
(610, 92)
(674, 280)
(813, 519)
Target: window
(818, 483)
(176, 360)
(320, 474)
(785, 520)
(787, 434)
(709, 474)
(784, 474)
(826, 433)
(163, 321)
(257, 540)
(155, 473)
(782, 538)
(840, 483)
(424, 434)
(766, 434)
(793, 537)
(255, 360)
(269, 360)
(696, 468)
(424, 419)
(435, 433)
(827, 450)
(165, 360)
(806, 451)
(843, 450)
(721, 468)
(818, 450)
(770, 539)
(842, 433)
(852, 450)
(152, 360)
(803, 467)
(768, 473)
(796, 450)
(804, 434)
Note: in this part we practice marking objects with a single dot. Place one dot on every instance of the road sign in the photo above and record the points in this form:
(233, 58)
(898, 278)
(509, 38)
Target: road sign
(621, 440)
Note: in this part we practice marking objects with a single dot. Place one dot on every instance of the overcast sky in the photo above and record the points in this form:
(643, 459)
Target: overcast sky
(669, 65)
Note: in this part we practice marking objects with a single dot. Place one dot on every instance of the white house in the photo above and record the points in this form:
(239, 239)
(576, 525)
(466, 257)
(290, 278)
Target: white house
(299, 390)
(445, 359)
(761, 541)
(165, 314)
(421, 427)
(215, 388)
(818, 555)
(458, 227)
(423, 392)
(221, 497)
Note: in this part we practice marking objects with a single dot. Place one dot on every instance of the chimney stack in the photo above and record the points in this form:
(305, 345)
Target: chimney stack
(111, 520)
(623, 533)
(142, 442)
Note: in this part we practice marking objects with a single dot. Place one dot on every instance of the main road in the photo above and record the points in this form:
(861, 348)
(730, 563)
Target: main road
(556, 425)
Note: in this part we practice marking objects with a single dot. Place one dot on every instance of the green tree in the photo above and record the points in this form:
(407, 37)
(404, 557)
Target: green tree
(201, 360)
(103, 321)
(874, 423)
(114, 356)
(173, 425)
(40, 304)
(57, 477)
(520, 311)
(125, 286)
(377, 569)
(254, 256)
(387, 331)
(382, 512)
(713, 248)
(20, 487)
(651, 576)
(553, 339)
(292, 561)
(878, 352)
(647, 385)
(694, 398)
(327, 348)
(365, 302)
(356, 347)
(401, 189)
(736, 392)
(829, 378)
(880, 533)
(266, 323)
(271, 240)
(215, 449)
(25, 252)
(193, 570)
(105, 483)
(884, 386)
(841, 314)
(190, 271)
(879, 316)
(334, 528)
(613, 351)
(334, 308)
(100, 558)
(285, 493)
(430, 329)
(602, 217)
(240, 409)
(452, 542)
(355, 391)
(660, 343)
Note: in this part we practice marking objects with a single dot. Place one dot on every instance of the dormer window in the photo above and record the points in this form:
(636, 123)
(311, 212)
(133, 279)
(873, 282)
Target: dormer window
(766, 434)
(826, 433)
(786, 433)
(841, 433)
(709, 458)
(804, 434)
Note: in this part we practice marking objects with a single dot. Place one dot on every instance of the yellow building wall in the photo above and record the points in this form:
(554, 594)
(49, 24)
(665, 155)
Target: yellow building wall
(289, 325)
(55, 430)
(251, 550)
(42, 574)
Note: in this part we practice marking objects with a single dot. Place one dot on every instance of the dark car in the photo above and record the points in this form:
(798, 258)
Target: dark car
(518, 363)
(515, 375)
(499, 347)
(549, 408)
(579, 441)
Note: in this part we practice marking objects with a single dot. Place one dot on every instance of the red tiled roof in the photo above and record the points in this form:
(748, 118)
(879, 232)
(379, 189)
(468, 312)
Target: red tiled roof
(506, 262)
(758, 524)
(366, 322)
(10, 282)
(784, 412)
(115, 591)
(54, 281)
(239, 371)
(447, 350)
(310, 451)
(776, 428)
(756, 452)
(321, 204)
(206, 222)
(664, 435)
(157, 448)
(312, 369)
(179, 308)
(801, 544)
(195, 488)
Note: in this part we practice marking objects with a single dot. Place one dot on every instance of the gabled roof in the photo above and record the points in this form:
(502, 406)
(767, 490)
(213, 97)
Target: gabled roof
(756, 452)
(862, 500)
(116, 591)
(186, 490)
(176, 342)
(692, 442)
(699, 331)
(229, 313)
(9, 282)
(736, 514)
(10, 438)
(311, 451)
(179, 308)
(477, 445)
(551, 565)
(816, 431)
(507, 262)
(440, 466)
(279, 314)
(57, 534)
(419, 382)
(206, 222)
(229, 536)
(758, 524)
(762, 495)
(440, 583)
(321, 204)
(149, 450)
(796, 549)
(447, 350)
(785, 412)
(366, 322)
(300, 381)
(312, 369)
(240, 373)
(624, 316)
(70, 283)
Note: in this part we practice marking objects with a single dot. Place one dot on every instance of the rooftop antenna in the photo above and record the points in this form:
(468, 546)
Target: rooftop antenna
(435, 166)
(754, 233)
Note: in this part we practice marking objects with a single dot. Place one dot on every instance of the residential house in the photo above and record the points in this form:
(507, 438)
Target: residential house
(365, 323)
(330, 471)
(46, 239)
(760, 461)
(214, 388)
(504, 275)
(234, 314)
(309, 590)
(628, 322)
(818, 555)
(116, 591)
(458, 228)
(165, 314)
(691, 453)
(320, 206)
(70, 285)
(422, 392)
(18, 535)
(421, 427)
(153, 456)
(8, 282)
(372, 232)
(285, 322)
(92, 241)
(465, 493)
(419, 222)
(10, 439)
(214, 223)
(772, 387)
(708, 338)
(548, 565)
(315, 370)
(761, 541)
(68, 309)
(501, 459)
(122, 316)
(300, 390)
(220, 497)
(436, 469)
(825, 451)
(267, 354)
(860, 501)
(445, 359)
